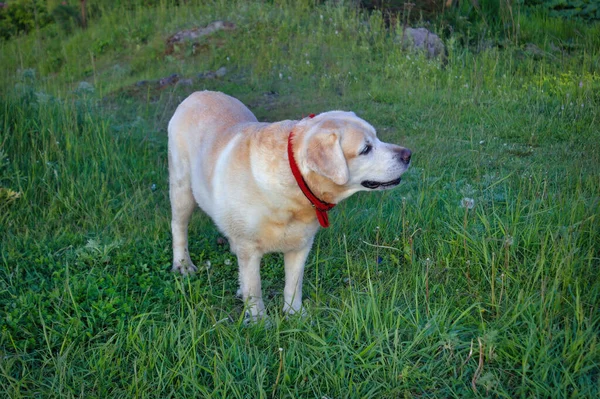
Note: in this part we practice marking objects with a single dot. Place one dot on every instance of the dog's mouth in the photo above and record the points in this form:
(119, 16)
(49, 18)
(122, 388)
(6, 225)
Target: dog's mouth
(372, 185)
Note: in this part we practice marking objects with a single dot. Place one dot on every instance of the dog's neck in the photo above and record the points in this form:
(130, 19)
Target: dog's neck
(324, 188)
(321, 206)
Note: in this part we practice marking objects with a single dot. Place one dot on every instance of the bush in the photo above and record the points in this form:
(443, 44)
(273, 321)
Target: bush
(66, 17)
(22, 16)
(583, 9)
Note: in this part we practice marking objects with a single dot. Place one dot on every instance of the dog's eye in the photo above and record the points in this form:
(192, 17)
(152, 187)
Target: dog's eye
(367, 149)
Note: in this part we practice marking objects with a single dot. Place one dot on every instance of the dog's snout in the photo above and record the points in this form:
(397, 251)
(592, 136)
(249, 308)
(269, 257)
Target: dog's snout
(404, 155)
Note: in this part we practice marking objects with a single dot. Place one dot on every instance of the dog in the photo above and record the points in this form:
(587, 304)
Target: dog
(268, 186)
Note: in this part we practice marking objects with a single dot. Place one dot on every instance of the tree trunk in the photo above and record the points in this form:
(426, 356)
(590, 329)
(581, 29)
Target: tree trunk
(83, 14)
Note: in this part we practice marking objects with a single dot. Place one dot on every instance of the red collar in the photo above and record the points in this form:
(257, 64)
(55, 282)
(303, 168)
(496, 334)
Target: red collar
(321, 207)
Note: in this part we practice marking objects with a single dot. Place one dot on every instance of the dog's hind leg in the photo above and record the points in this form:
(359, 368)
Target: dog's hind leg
(182, 206)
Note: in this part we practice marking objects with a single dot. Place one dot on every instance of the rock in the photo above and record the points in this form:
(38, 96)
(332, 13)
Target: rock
(195, 33)
(185, 82)
(221, 72)
(169, 80)
(420, 39)
(207, 75)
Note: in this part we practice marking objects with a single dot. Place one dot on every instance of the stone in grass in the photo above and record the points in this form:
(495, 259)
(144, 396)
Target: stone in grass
(185, 82)
(169, 80)
(207, 75)
(219, 73)
(420, 39)
(195, 33)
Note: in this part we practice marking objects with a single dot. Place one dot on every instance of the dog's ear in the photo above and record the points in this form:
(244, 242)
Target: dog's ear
(324, 156)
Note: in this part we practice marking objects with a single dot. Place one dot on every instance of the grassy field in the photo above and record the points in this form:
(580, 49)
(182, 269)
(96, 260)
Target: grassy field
(410, 293)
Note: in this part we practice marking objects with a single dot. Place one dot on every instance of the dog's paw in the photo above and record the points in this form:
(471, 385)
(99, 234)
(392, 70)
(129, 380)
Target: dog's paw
(184, 268)
(289, 312)
(250, 319)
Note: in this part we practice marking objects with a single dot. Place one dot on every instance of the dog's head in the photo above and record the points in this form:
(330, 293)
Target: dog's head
(344, 149)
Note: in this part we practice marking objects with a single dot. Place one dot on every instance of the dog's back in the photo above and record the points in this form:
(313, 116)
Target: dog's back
(204, 112)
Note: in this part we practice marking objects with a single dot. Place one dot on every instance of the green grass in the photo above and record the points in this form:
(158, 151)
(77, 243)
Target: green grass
(408, 294)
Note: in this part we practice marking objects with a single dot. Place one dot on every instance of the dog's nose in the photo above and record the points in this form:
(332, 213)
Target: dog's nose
(404, 155)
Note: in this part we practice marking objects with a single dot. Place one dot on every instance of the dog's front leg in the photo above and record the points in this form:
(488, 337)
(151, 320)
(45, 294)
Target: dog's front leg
(294, 272)
(250, 287)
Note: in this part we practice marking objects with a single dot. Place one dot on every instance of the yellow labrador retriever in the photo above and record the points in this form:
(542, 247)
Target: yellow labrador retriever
(268, 186)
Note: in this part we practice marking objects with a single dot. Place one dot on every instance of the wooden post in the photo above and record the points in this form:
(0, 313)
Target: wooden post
(83, 14)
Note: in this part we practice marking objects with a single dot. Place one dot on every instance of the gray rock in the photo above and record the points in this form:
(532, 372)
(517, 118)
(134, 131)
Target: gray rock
(221, 72)
(185, 82)
(169, 80)
(207, 75)
(195, 33)
(420, 39)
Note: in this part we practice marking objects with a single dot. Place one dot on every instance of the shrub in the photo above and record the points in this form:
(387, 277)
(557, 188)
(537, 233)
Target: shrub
(583, 9)
(22, 16)
(66, 17)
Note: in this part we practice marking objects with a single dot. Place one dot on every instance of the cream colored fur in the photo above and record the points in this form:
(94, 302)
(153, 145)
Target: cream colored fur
(236, 169)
